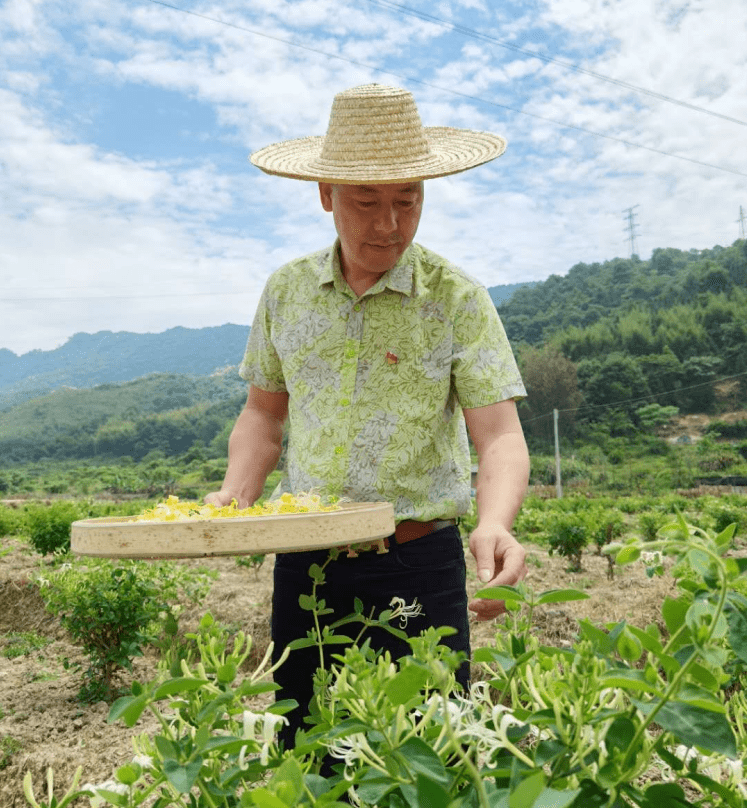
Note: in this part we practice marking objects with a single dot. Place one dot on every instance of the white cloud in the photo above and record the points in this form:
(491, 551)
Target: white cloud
(87, 220)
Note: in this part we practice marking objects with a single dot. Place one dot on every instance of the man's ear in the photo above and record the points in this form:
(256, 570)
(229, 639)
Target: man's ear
(325, 194)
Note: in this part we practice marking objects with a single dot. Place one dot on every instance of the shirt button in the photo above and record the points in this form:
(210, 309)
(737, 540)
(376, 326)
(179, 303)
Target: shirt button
(357, 307)
(350, 353)
(344, 402)
(339, 450)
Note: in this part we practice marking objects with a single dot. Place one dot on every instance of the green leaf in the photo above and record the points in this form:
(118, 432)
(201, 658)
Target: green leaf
(528, 790)
(301, 642)
(551, 798)
(737, 621)
(629, 679)
(317, 573)
(266, 799)
(629, 646)
(500, 593)
(226, 673)
(166, 748)
(431, 794)
(128, 708)
(487, 654)
(182, 776)
(620, 733)
(307, 602)
(727, 534)
(726, 794)
(560, 596)
(647, 640)
(374, 786)
(128, 774)
(691, 694)
(696, 726)
(423, 760)
(674, 611)
(405, 684)
(600, 639)
(181, 684)
(628, 555)
(666, 795)
(114, 797)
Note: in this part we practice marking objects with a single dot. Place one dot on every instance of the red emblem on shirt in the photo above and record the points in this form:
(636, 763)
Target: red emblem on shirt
(392, 358)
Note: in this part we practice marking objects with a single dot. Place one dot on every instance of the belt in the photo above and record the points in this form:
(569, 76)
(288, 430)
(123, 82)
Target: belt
(409, 529)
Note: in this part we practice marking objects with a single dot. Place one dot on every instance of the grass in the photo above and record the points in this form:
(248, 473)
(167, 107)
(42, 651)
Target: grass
(9, 746)
(17, 644)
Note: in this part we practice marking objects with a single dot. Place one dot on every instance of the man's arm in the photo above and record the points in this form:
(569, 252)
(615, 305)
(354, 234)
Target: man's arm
(253, 449)
(502, 479)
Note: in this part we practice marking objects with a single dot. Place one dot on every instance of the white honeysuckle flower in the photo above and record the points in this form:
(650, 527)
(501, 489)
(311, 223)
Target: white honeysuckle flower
(264, 755)
(108, 785)
(403, 611)
(348, 748)
(243, 765)
(271, 722)
(144, 761)
(249, 721)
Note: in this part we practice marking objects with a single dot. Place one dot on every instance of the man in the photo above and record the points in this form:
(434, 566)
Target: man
(378, 352)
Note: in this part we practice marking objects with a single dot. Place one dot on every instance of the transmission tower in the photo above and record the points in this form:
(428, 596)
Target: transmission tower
(630, 228)
(742, 216)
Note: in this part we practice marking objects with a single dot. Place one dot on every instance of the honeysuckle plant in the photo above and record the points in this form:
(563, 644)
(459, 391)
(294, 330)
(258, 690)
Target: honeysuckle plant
(623, 716)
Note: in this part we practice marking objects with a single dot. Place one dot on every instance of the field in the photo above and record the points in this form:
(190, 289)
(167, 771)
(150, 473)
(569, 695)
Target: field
(43, 725)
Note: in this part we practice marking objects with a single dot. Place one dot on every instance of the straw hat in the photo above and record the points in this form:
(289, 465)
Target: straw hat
(375, 136)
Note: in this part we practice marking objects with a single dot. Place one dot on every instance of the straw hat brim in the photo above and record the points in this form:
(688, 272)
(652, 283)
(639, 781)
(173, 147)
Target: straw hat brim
(450, 152)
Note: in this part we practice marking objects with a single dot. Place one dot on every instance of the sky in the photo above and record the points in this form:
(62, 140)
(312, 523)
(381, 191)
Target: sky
(128, 203)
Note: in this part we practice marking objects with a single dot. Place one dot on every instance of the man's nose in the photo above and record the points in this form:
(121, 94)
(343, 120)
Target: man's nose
(386, 220)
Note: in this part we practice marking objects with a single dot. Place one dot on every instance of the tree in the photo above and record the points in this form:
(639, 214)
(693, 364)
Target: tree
(551, 383)
(616, 382)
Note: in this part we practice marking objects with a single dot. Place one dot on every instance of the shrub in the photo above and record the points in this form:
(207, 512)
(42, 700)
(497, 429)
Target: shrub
(114, 610)
(48, 526)
(10, 521)
(569, 536)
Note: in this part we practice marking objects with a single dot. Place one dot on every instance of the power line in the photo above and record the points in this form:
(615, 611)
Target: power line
(616, 404)
(123, 297)
(446, 89)
(535, 54)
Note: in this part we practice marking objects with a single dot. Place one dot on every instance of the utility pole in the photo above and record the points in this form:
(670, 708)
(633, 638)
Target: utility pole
(631, 229)
(742, 216)
(558, 483)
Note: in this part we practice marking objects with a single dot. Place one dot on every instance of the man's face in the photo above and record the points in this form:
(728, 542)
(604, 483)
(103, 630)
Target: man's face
(375, 224)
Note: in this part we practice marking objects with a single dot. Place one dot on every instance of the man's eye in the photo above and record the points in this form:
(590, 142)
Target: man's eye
(365, 204)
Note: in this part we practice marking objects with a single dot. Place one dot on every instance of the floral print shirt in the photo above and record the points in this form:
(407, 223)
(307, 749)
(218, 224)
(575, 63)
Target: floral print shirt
(376, 384)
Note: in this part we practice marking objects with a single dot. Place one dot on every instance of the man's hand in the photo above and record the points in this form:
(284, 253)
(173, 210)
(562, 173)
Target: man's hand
(222, 497)
(500, 562)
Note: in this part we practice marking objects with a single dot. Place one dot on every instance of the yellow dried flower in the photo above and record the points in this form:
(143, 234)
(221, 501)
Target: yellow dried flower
(175, 510)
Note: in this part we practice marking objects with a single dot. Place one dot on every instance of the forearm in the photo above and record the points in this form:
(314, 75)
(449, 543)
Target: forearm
(502, 479)
(254, 450)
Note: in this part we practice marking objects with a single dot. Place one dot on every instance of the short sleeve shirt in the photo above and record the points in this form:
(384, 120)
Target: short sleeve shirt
(377, 384)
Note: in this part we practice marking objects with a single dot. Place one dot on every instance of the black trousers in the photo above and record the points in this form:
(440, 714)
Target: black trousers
(431, 569)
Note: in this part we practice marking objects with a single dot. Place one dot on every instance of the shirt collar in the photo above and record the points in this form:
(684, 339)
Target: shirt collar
(399, 278)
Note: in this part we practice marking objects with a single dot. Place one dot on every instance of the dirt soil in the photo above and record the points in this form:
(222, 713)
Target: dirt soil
(42, 724)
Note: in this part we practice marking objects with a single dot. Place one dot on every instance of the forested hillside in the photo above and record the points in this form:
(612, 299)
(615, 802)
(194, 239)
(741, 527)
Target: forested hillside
(627, 330)
(617, 347)
(161, 412)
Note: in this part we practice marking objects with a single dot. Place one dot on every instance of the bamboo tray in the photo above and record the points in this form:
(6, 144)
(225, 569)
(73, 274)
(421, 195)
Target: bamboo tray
(123, 537)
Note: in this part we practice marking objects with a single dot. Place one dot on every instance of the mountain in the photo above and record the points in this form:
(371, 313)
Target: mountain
(503, 293)
(87, 360)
